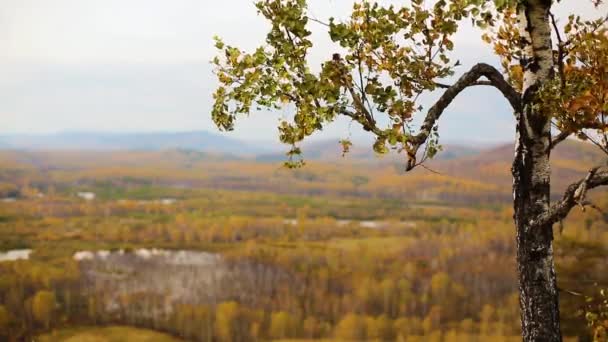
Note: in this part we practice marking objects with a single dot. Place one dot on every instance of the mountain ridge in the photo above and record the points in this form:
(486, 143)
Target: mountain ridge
(483, 176)
(147, 141)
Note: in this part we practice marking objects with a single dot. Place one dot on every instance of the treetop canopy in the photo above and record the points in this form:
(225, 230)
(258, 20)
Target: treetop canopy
(391, 55)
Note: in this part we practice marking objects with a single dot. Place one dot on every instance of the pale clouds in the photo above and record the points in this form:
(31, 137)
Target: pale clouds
(126, 65)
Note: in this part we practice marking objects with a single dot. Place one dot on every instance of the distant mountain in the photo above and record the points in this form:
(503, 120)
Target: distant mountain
(484, 163)
(195, 140)
(469, 178)
(331, 150)
(478, 163)
(570, 161)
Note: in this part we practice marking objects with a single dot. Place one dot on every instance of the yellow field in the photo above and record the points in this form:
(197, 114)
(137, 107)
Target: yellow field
(107, 334)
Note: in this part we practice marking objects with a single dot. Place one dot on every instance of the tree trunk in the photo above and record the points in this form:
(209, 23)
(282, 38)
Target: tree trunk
(531, 181)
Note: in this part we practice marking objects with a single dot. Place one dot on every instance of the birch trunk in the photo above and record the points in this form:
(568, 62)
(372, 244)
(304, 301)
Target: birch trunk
(531, 181)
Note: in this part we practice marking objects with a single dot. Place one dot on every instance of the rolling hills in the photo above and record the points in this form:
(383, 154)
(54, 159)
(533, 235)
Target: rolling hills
(465, 177)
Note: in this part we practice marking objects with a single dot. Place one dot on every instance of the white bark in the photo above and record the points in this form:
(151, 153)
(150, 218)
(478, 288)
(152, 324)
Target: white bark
(535, 32)
(531, 180)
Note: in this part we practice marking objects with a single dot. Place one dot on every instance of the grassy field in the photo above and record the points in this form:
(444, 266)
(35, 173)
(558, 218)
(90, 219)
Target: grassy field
(107, 334)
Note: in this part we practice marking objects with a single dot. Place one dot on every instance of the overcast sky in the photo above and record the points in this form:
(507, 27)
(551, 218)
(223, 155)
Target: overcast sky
(143, 65)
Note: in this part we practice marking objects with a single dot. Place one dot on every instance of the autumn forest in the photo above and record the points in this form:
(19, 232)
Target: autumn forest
(213, 248)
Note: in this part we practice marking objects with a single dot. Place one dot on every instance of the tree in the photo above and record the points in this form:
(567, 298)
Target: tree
(387, 57)
(43, 306)
(596, 314)
(282, 325)
(351, 328)
(225, 321)
(236, 323)
(311, 327)
(5, 320)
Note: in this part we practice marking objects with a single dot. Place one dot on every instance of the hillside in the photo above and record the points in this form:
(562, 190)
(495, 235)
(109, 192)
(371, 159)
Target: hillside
(483, 177)
(259, 252)
(331, 150)
(570, 161)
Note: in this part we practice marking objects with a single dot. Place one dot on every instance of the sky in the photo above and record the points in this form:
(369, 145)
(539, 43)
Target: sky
(143, 65)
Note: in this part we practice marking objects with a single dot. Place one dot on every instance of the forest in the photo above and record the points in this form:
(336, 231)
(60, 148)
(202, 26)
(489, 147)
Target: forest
(171, 241)
(442, 173)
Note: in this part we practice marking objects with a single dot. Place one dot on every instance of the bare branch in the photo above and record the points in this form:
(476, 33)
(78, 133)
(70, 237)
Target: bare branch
(360, 106)
(468, 79)
(558, 138)
(561, 53)
(317, 21)
(581, 191)
(570, 292)
(362, 86)
(363, 114)
(367, 125)
(594, 142)
(575, 195)
(429, 169)
(482, 83)
(447, 86)
(478, 83)
(593, 206)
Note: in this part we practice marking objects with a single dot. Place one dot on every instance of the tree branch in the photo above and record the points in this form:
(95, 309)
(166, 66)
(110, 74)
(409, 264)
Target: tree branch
(468, 79)
(558, 138)
(317, 21)
(367, 125)
(478, 83)
(561, 53)
(575, 195)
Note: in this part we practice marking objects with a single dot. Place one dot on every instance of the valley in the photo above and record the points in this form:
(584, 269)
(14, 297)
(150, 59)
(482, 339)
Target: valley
(223, 249)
